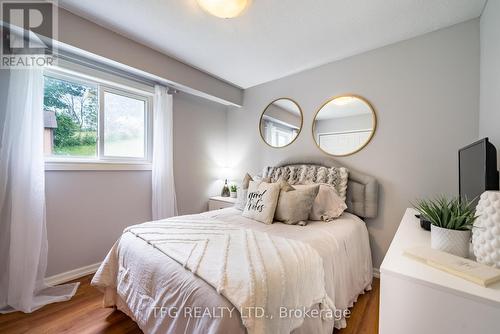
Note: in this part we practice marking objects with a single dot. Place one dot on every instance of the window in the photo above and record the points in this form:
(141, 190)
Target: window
(124, 124)
(88, 120)
(278, 134)
(70, 118)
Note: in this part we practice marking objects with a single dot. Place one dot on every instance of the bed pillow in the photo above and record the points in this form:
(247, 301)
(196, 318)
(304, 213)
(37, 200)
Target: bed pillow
(241, 199)
(285, 186)
(327, 204)
(242, 191)
(294, 206)
(246, 181)
(262, 199)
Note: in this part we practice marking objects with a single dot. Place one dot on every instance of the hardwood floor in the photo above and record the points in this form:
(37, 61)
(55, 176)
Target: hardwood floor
(84, 314)
(364, 316)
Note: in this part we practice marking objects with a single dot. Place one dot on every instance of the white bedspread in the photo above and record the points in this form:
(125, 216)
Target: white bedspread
(254, 270)
(139, 278)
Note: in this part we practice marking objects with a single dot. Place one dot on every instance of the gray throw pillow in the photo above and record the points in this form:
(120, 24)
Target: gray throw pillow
(294, 206)
(246, 181)
(328, 205)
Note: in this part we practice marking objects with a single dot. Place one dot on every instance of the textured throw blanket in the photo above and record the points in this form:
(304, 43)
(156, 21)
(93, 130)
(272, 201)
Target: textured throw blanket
(258, 273)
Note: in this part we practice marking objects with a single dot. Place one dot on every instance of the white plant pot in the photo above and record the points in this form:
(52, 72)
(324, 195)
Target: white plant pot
(450, 241)
(233, 194)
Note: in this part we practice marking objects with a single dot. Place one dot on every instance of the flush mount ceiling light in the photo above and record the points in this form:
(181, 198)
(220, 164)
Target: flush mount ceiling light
(225, 9)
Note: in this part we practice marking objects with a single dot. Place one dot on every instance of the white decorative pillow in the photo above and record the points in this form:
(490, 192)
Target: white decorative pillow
(294, 203)
(327, 204)
(242, 191)
(261, 202)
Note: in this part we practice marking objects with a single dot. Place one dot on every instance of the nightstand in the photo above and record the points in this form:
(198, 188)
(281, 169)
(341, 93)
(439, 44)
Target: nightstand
(219, 202)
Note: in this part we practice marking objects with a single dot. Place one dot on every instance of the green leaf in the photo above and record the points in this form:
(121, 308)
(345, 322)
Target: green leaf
(454, 214)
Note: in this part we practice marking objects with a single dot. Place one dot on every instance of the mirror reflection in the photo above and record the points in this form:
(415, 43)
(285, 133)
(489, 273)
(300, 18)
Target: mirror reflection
(281, 122)
(344, 125)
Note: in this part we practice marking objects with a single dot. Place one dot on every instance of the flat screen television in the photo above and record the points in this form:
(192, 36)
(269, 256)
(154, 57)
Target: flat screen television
(477, 166)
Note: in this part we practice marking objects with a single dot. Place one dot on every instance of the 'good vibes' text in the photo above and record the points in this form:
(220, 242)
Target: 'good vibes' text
(255, 202)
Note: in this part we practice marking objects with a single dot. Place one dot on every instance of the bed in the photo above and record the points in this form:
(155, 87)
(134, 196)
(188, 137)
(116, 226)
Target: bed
(162, 294)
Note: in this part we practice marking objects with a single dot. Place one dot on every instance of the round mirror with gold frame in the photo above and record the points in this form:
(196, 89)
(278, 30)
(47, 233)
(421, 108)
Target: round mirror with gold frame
(344, 125)
(281, 122)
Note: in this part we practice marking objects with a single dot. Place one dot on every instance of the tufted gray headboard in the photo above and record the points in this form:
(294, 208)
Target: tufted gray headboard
(362, 189)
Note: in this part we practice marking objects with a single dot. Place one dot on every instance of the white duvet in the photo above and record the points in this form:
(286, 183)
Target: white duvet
(257, 272)
(249, 263)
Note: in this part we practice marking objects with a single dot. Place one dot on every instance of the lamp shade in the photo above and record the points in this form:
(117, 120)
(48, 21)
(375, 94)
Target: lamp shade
(225, 9)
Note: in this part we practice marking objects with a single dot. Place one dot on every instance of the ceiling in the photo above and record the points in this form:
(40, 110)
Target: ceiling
(272, 38)
(355, 107)
(288, 105)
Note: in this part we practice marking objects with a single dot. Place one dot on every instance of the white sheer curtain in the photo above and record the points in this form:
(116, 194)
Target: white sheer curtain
(23, 235)
(164, 202)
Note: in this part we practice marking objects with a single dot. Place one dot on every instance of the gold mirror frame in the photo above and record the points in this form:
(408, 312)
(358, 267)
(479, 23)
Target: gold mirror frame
(374, 124)
(301, 121)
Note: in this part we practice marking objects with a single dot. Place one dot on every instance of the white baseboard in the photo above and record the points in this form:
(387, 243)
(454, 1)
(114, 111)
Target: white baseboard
(72, 274)
(376, 272)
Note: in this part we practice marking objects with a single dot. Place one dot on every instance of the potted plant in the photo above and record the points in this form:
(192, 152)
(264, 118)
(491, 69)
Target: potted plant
(233, 190)
(451, 223)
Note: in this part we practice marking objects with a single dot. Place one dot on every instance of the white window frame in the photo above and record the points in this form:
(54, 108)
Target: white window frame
(105, 82)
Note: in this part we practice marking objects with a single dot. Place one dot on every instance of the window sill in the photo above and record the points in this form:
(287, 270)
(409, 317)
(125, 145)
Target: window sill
(95, 166)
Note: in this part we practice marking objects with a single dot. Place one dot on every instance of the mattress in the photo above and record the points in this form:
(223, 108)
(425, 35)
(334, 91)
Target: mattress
(163, 297)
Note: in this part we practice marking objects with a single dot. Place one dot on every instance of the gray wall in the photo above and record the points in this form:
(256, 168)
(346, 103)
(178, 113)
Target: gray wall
(489, 124)
(425, 92)
(199, 151)
(88, 210)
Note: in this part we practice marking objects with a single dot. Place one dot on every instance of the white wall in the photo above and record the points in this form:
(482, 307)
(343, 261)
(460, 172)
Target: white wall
(425, 92)
(489, 119)
(88, 210)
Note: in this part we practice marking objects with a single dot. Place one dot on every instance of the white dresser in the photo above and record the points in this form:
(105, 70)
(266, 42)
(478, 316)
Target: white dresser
(416, 298)
(219, 202)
